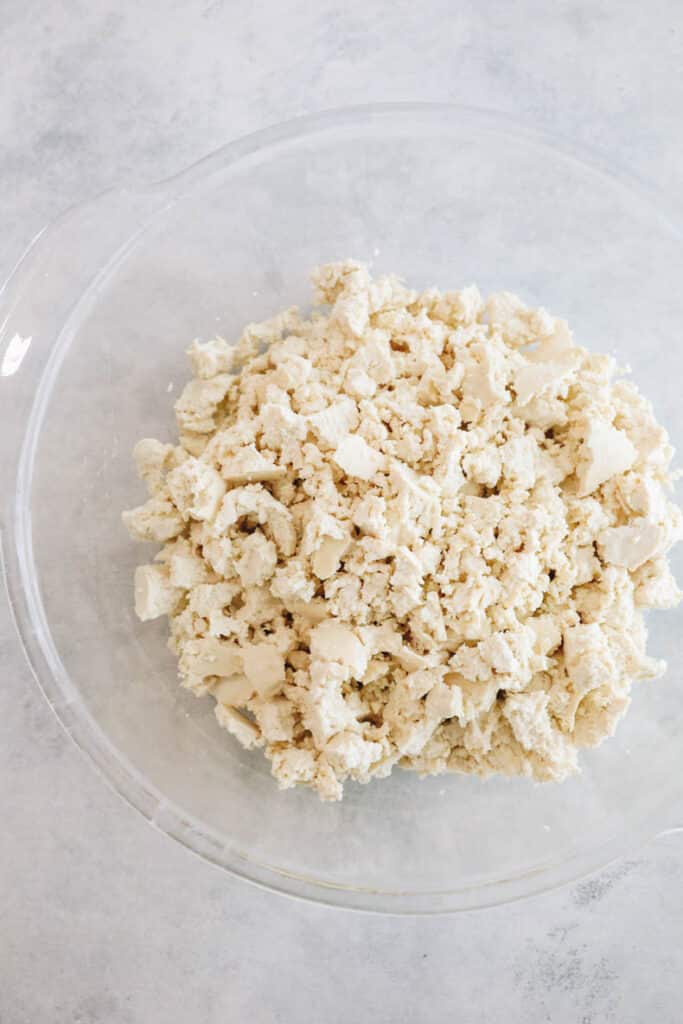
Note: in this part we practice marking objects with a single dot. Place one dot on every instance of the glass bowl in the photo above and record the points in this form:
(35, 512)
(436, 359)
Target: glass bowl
(93, 327)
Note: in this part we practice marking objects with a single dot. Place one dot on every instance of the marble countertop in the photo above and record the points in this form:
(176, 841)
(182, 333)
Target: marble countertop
(104, 919)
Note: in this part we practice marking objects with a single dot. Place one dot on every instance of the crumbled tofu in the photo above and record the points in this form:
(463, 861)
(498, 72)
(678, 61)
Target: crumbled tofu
(276, 718)
(349, 752)
(157, 520)
(196, 489)
(155, 594)
(634, 545)
(535, 379)
(241, 728)
(153, 460)
(234, 691)
(444, 702)
(264, 667)
(293, 765)
(334, 423)
(606, 452)
(355, 456)
(588, 660)
(197, 406)
(210, 358)
(415, 529)
(186, 567)
(359, 383)
(327, 557)
(249, 466)
(257, 560)
(209, 656)
(333, 641)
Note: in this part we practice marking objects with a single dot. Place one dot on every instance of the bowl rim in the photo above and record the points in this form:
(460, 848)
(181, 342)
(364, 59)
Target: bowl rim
(16, 554)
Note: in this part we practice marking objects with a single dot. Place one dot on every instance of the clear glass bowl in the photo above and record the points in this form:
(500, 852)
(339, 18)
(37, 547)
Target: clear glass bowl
(93, 328)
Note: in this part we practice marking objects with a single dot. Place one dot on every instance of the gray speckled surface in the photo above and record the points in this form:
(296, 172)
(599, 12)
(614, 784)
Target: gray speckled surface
(104, 920)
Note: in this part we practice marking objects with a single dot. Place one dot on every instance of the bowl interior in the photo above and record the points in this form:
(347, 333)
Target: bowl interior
(441, 199)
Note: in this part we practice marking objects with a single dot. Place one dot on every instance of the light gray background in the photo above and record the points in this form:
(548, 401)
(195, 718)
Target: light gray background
(102, 919)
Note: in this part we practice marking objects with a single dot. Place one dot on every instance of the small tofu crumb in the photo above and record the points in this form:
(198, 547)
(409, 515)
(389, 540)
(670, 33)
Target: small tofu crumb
(155, 594)
(355, 456)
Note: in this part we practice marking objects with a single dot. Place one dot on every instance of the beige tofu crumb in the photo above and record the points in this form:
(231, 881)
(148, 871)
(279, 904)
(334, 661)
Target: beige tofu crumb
(157, 520)
(248, 734)
(606, 452)
(155, 594)
(196, 489)
(355, 456)
(248, 466)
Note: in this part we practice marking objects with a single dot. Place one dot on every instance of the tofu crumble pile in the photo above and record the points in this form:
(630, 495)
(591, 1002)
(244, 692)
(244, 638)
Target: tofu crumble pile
(415, 529)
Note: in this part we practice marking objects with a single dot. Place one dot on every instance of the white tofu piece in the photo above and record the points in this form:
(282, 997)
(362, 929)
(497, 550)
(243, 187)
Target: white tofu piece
(152, 461)
(210, 358)
(605, 453)
(196, 489)
(327, 558)
(157, 520)
(588, 660)
(264, 667)
(234, 691)
(209, 656)
(333, 641)
(540, 379)
(334, 423)
(633, 545)
(155, 594)
(198, 404)
(357, 459)
(249, 466)
(257, 560)
(349, 752)
(240, 727)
